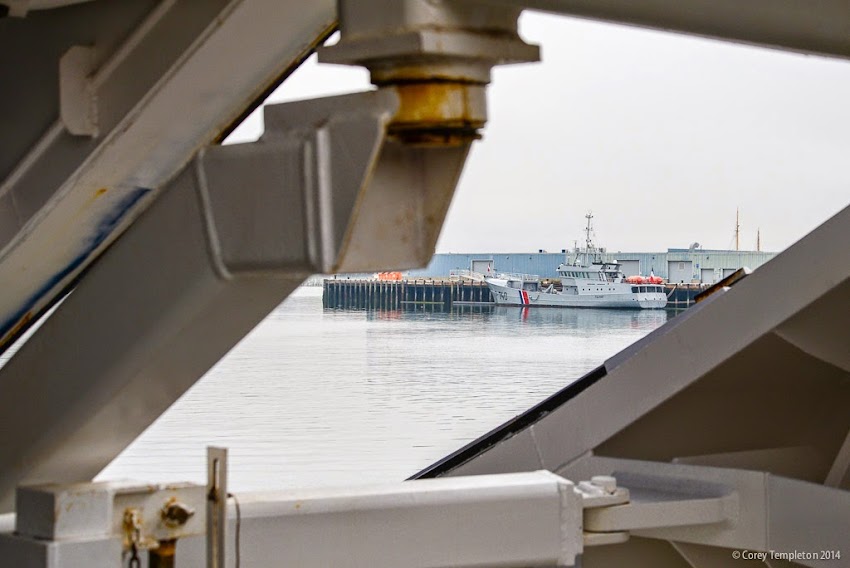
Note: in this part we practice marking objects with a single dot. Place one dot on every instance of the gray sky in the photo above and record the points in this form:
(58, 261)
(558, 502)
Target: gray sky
(661, 135)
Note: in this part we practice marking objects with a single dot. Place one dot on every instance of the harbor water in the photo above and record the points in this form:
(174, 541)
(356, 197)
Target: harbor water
(317, 397)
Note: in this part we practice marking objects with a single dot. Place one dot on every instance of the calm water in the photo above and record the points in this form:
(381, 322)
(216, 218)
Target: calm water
(326, 397)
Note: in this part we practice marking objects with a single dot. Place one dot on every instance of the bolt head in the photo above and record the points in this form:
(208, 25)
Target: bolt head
(606, 482)
(176, 514)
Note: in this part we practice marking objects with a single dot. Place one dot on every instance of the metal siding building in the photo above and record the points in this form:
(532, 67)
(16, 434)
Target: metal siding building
(703, 263)
(542, 264)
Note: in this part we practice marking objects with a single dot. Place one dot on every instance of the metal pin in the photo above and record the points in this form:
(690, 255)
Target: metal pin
(216, 506)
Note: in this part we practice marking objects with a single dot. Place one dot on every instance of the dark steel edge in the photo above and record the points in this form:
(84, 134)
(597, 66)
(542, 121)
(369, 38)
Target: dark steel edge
(511, 427)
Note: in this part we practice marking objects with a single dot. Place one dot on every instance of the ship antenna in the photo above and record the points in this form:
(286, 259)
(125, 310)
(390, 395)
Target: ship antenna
(588, 239)
(737, 229)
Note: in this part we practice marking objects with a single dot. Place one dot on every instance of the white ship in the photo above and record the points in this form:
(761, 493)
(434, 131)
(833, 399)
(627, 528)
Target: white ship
(597, 286)
(588, 284)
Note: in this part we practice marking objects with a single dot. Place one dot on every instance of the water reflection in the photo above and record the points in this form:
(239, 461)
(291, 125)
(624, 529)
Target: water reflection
(586, 319)
(328, 397)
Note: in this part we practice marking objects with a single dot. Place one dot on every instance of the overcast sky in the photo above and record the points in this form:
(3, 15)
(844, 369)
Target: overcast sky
(662, 136)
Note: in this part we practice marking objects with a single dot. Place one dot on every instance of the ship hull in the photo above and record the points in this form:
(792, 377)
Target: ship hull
(625, 299)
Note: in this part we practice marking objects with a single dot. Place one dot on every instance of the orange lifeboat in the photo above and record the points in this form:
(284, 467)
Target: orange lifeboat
(636, 280)
(390, 276)
(652, 279)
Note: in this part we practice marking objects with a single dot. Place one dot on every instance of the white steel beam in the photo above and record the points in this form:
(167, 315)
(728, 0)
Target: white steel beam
(526, 519)
(816, 27)
(515, 519)
(172, 86)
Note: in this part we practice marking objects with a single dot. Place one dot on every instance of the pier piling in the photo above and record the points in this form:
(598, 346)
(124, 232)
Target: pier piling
(362, 294)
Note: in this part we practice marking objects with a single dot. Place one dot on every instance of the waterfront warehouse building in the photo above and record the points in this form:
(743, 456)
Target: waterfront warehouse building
(676, 265)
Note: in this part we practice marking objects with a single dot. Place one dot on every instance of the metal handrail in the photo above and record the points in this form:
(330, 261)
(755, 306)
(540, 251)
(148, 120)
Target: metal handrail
(471, 275)
(518, 276)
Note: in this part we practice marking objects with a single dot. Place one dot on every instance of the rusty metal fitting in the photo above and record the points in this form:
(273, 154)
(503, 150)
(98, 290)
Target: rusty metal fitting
(163, 556)
(131, 527)
(438, 113)
(175, 514)
(436, 55)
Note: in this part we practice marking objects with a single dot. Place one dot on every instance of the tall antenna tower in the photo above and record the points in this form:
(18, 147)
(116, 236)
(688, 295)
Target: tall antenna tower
(588, 241)
(589, 248)
(737, 229)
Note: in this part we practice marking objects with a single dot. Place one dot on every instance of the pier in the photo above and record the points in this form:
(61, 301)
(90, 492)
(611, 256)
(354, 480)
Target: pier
(442, 294)
(681, 296)
(370, 294)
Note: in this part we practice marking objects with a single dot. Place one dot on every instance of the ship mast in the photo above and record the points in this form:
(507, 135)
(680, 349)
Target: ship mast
(737, 230)
(758, 239)
(588, 241)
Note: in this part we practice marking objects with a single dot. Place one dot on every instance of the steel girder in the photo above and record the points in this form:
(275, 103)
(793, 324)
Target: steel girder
(820, 27)
(107, 101)
(229, 239)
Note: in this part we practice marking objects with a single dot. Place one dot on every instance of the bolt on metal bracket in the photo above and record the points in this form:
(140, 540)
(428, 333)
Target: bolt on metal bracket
(602, 491)
(95, 524)
(610, 514)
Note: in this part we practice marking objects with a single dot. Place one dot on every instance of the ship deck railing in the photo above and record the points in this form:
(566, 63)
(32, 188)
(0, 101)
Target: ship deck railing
(518, 276)
(468, 274)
